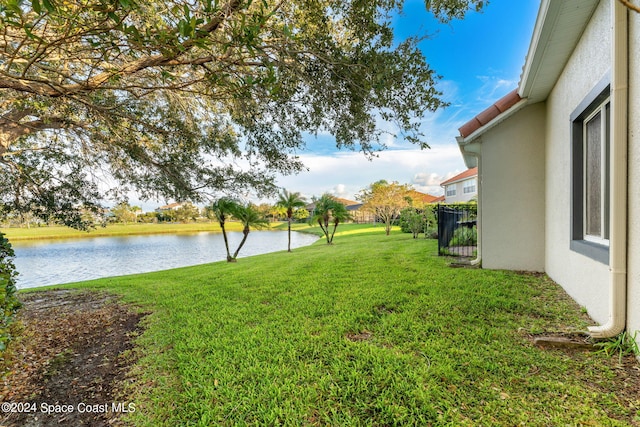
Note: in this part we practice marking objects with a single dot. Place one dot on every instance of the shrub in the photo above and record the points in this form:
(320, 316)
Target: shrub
(8, 301)
(464, 236)
(416, 221)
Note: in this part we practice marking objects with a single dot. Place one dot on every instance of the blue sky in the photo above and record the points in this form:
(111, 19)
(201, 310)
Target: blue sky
(480, 59)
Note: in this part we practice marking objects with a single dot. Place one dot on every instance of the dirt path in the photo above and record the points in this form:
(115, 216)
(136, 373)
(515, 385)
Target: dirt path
(72, 350)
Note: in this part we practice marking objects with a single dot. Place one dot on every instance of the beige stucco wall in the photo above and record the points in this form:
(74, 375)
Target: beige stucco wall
(511, 170)
(587, 281)
(633, 290)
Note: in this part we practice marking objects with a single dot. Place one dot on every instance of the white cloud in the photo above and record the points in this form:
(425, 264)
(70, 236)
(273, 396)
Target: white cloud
(492, 89)
(346, 173)
(339, 190)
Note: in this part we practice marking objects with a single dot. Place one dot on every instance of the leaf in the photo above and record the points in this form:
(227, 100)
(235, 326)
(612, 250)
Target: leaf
(35, 4)
(113, 17)
(49, 5)
(32, 36)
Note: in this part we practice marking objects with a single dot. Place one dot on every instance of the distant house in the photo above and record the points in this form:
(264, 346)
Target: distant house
(422, 198)
(170, 207)
(462, 187)
(353, 208)
(347, 203)
(559, 161)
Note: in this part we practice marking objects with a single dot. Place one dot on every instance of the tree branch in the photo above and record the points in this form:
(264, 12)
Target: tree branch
(630, 6)
(54, 90)
(12, 130)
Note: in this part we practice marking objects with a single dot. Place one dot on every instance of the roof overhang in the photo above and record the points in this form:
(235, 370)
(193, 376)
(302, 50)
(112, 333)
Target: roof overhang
(557, 31)
(558, 28)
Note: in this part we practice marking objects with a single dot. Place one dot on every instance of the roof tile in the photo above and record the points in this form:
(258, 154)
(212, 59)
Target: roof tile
(466, 174)
(486, 116)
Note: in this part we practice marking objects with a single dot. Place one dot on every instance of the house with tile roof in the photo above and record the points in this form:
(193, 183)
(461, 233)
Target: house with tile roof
(352, 207)
(462, 187)
(558, 161)
(418, 197)
(170, 207)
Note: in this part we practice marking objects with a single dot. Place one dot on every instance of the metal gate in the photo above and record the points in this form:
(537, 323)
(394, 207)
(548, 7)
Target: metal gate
(457, 230)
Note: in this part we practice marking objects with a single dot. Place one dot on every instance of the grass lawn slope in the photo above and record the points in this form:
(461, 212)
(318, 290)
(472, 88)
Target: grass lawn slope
(373, 330)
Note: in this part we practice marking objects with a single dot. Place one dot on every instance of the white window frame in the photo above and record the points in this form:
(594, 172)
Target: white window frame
(604, 110)
(469, 186)
(451, 190)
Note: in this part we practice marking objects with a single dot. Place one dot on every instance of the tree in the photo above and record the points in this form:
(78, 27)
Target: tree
(125, 213)
(100, 97)
(224, 208)
(385, 200)
(249, 216)
(329, 211)
(300, 214)
(221, 210)
(187, 212)
(417, 220)
(289, 202)
(9, 303)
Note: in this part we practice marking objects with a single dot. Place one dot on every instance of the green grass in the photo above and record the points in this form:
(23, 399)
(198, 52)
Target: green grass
(59, 232)
(374, 330)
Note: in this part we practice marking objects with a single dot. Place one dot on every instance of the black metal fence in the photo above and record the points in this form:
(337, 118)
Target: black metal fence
(457, 230)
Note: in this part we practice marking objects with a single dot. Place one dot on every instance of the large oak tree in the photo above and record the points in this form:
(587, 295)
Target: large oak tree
(184, 98)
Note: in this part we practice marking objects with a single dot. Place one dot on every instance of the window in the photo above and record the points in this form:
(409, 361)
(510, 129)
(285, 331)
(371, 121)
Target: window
(469, 186)
(451, 190)
(590, 174)
(596, 175)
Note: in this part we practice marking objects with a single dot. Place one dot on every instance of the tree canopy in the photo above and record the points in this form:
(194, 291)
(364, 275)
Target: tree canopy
(385, 200)
(182, 99)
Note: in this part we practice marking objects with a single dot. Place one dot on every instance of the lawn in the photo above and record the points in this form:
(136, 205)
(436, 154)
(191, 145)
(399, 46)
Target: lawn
(60, 232)
(373, 330)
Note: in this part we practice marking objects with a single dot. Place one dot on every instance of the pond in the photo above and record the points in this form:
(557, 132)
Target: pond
(51, 262)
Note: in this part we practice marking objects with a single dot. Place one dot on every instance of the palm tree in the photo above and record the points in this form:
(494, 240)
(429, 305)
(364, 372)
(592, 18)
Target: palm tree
(329, 211)
(222, 209)
(290, 201)
(249, 216)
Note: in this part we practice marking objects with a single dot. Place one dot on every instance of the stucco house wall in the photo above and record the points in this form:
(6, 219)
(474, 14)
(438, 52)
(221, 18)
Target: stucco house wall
(578, 50)
(584, 279)
(633, 258)
(512, 165)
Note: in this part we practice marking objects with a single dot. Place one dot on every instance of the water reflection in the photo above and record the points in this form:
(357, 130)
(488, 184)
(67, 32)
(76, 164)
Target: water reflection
(42, 263)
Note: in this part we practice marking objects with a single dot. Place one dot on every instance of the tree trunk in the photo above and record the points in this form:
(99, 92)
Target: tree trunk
(335, 225)
(245, 233)
(289, 231)
(324, 230)
(226, 241)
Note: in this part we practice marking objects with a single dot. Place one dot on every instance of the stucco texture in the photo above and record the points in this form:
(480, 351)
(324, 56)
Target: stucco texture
(586, 280)
(633, 257)
(512, 171)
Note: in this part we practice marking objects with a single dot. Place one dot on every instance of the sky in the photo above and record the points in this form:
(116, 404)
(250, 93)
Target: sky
(480, 60)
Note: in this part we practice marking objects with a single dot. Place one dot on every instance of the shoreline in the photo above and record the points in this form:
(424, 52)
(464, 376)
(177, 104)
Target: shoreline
(113, 230)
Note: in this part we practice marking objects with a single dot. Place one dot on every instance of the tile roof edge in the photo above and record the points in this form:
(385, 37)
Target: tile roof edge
(466, 174)
(486, 116)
